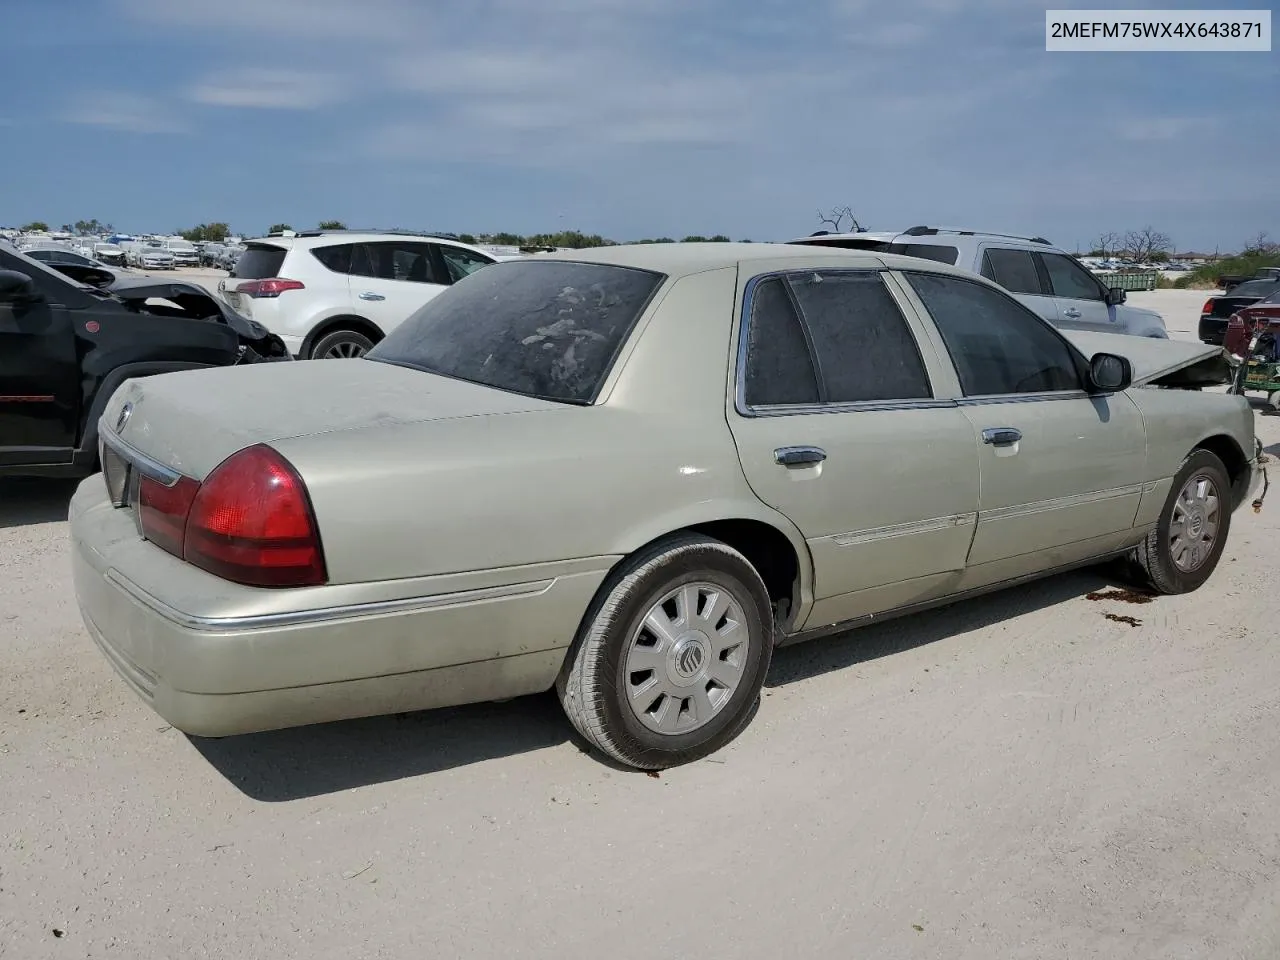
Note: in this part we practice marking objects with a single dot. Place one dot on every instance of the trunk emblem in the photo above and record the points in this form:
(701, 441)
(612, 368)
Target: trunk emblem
(125, 413)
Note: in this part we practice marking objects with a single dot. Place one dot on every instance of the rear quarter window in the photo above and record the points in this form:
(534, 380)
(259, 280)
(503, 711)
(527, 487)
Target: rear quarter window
(543, 328)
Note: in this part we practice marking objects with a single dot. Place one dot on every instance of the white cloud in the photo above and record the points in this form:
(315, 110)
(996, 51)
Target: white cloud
(266, 88)
(130, 112)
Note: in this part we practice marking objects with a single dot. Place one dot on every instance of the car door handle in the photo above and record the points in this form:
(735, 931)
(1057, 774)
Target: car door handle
(370, 295)
(1001, 436)
(796, 456)
(1071, 312)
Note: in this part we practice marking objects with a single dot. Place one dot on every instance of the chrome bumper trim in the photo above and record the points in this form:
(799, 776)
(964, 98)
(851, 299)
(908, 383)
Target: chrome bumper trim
(293, 618)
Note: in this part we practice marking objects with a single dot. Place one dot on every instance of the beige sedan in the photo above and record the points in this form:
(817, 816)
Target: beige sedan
(630, 473)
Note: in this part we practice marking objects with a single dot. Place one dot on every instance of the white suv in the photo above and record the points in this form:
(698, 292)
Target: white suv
(334, 294)
(1050, 281)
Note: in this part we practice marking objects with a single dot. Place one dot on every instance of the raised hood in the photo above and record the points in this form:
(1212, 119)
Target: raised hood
(193, 420)
(1157, 362)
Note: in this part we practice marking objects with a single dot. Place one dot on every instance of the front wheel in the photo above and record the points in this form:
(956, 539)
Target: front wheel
(669, 662)
(1184, 549)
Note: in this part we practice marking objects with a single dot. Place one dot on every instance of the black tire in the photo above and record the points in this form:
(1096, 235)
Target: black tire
(592, 685)
(1154, 556)
(340, 344)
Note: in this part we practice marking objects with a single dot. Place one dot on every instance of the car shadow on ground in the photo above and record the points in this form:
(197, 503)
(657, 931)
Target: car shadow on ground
(27, 500)
(326, 758)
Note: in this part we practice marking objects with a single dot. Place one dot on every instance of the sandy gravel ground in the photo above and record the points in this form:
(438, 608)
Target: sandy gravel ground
(1014, 777)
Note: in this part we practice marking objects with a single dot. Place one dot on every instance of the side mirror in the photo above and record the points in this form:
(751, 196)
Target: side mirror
(1116, 296)
(17, 288)
(1109, 373)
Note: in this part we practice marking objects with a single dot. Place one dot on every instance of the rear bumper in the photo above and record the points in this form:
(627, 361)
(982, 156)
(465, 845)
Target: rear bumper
(241, 673)
(1212, 330)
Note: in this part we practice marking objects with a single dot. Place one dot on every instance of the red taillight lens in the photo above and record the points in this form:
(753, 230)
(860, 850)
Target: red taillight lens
(266, 289)
(251, 522)
(162, 511)
(1208, 306)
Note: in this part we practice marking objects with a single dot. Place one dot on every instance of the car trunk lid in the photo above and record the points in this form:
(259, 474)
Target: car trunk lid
(260, 261)
(191, 421)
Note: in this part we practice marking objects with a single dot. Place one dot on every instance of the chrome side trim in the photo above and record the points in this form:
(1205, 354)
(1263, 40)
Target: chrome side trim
(1046, 506)
(1028, 397)
(904, 529)
(153, 469)
(861, 406)
(294, 618)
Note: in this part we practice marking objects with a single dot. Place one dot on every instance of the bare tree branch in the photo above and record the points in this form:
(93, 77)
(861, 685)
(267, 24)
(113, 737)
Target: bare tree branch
(1146, 244)
(1107, 243)
(836, 217)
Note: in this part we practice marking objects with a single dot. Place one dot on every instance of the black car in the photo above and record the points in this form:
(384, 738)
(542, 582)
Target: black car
(1218, 310)
(66, 345)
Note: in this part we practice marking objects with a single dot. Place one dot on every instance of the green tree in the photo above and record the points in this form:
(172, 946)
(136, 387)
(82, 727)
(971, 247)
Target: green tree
(720, 238)
(36, 226)
(216, 232)
(92, 227)
(694, 238)
(67, 228)
(467, 238)
(332, 225)
(507, 239)
(279, 228)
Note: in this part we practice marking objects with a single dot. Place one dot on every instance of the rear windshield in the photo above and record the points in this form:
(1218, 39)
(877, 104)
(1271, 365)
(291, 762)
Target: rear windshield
(1253, 288)
(259, 262)
(542, 328)
(926, 251)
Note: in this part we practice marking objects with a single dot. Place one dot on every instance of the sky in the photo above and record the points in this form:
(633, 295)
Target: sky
(628, 118)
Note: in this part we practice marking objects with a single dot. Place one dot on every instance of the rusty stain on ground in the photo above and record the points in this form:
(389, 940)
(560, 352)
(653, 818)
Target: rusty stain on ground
(1120, 618)
(1116, 593)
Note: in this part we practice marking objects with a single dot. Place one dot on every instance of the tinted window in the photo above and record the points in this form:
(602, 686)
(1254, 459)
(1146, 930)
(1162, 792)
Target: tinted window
(1069, 279)
(337, 258)
(1012, 269)
(927, 251)
(1253, 288)
(779, 369)
(544, 328)
(398, 260)
(461, 263)
(258, 262)
(847, 243)
(998, 346)
(865, 349)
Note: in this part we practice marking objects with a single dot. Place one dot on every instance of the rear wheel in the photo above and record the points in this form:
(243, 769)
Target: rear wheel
(669, 662)
(1184, 549)
(341, 345)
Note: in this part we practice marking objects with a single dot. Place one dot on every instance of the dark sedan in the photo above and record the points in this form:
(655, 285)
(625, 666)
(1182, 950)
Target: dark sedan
(1218, 310)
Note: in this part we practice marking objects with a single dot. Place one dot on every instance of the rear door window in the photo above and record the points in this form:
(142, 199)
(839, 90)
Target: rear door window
(259, 261)
(399, 260)
(1015, 270)
(865, 350)
(779, 370)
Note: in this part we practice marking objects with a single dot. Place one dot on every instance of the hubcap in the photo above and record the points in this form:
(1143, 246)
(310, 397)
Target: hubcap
(1193, 526)
(344, 350)
(686, 658)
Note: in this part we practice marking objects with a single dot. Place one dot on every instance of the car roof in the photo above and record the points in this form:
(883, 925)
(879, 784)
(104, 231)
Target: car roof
(682, 259)
(318, 238)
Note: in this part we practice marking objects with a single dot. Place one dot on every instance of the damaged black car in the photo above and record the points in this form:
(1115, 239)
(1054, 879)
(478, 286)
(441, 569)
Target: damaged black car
(68, 341)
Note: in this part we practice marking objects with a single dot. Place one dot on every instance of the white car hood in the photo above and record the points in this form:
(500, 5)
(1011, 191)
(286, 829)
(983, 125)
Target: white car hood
(1151, 357)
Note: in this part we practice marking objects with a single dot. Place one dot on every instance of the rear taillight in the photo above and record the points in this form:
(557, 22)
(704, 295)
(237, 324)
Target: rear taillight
(271, 287)
(1208, 306)
(250, 522)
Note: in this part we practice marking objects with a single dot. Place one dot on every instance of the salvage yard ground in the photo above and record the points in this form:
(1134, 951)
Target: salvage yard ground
(1035, 774)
